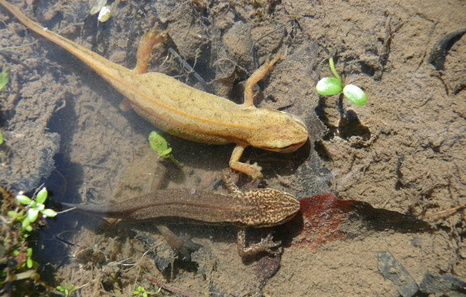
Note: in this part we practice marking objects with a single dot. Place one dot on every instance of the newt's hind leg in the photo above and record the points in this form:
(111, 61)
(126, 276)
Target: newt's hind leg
(255, 78)
(146, 44)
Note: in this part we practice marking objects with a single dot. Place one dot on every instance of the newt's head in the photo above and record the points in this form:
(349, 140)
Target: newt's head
(267, 208)
(279, 132)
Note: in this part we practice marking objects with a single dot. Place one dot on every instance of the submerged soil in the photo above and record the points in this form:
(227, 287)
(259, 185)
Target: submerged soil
(403, 151)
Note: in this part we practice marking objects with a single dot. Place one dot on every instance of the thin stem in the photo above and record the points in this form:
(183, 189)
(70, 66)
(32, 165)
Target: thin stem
(332, 68)
(175, 161)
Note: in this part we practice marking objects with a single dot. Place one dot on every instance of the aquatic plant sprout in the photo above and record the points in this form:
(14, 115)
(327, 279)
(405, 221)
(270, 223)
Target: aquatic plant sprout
(34, 208)
(161, 147)
(159, 144)
(329, 86)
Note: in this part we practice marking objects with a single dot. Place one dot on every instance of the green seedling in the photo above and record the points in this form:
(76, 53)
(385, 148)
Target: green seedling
(4, 78)
(68, 289)
(29, 261)
(329, 86)
(141, 291)
(161, 147)
(34, 207)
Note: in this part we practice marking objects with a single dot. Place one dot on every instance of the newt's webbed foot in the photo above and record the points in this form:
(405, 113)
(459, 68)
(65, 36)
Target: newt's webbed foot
(266, 245)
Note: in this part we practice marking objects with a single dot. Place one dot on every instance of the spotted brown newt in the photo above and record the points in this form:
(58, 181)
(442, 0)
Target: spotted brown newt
(256, 208)
(185, 111)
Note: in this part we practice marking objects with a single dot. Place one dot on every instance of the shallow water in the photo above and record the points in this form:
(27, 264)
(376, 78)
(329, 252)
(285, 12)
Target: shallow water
(63, 127)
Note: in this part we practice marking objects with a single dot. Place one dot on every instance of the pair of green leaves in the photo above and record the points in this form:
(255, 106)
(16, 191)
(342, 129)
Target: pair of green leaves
(329, 86)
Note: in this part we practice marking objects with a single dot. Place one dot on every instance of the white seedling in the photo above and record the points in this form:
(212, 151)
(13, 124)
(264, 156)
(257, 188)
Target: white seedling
(104, 14)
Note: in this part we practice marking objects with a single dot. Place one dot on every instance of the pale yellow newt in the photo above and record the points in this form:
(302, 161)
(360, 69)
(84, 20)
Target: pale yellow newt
(184, 111)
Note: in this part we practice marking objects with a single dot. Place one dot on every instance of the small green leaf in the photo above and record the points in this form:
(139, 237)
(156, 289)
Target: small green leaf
(158, 143)
(33, 204)
(26, 223)
(4, 78)
(23, 199)
(329, 86)
(13, 214)
(160, 146)
(1, 138)
(165, 152)
(42, 196)
(32, 215)
(139, 290)
(355, 95)
(50, 213)
(29, 261)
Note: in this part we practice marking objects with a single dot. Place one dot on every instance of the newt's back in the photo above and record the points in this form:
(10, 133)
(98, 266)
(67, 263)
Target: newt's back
(257, 208)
